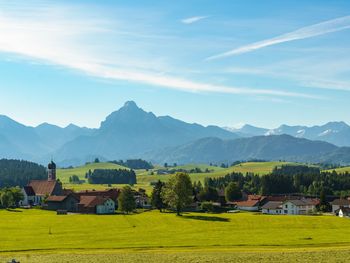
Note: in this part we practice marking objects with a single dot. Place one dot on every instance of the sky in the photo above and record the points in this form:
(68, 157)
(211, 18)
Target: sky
(224, 63)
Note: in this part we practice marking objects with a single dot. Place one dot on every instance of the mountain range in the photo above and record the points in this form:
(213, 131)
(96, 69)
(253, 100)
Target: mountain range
(131, 132)
(337, 133)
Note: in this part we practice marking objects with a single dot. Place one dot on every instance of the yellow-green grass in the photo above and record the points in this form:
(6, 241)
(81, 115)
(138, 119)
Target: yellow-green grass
(260, 168)
(324, 255)
(64, 174)
(340, 170)
(157, 237)
(144, 178)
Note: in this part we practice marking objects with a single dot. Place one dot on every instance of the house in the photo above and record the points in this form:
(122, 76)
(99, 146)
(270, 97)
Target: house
(111, 193)
(90, 204)
(248, 205)
(337, 203)
(252, 203)
(299, 206)
(141, 199)
(272, 208)
(29, 197)
(343, 212)
(62, 202)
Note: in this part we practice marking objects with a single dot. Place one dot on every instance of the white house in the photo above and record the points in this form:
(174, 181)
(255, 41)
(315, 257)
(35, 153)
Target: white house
(337, 203)
(299, 206)
(29, 197)
(107, 207)
(272, 208)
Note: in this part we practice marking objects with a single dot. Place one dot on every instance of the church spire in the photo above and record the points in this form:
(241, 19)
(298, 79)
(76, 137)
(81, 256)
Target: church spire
(51, 176)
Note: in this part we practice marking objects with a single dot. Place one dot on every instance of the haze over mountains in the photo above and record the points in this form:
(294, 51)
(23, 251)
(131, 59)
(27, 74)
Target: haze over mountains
(130, 132)
(337, 133)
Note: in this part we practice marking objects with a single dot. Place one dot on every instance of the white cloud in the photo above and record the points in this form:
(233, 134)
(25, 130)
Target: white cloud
(326, 27)
(194, 19)
(56, 36)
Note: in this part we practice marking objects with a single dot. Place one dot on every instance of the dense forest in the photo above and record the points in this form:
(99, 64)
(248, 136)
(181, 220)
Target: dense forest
(19, 173)
(134, 164)
(120, 176)
(288, 179)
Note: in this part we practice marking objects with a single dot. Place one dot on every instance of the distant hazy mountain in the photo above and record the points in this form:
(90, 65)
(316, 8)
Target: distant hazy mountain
(281, 147)
(130, 131)
(24, 142)
(248, 131)
(337, 133)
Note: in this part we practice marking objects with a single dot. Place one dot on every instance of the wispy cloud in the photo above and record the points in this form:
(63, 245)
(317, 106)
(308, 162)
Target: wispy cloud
(194, 19)
(326, 27)
(325, 74)
(69, 40)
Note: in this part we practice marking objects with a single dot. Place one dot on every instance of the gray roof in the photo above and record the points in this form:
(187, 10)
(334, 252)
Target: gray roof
(272, 205)
(301, 202)
(341, 202)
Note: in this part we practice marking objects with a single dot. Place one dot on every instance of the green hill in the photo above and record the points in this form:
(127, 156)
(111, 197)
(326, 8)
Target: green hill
(254, 167)
(144, 178)
(340, 170)
(80, 171)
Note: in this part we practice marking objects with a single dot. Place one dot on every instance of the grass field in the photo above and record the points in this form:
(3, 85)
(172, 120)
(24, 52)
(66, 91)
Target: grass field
(144, 178)
(341, 170)
(38, 236)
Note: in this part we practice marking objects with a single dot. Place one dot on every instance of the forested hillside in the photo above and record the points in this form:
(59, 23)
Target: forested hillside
(19, 173)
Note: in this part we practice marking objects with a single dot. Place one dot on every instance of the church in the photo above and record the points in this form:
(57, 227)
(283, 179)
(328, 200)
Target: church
(37, 190)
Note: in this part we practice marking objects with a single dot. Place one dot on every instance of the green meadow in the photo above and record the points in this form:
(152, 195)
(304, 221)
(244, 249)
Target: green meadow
(39, 236)
(341, 170)
(144, 178)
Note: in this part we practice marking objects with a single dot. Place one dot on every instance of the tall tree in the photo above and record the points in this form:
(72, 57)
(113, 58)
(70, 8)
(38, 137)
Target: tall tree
(126, 200)
(178, 192)
(156, 197)
(232, 192)
(208, 193)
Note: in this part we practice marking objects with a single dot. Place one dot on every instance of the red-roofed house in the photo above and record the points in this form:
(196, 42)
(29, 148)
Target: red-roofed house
(96, 205)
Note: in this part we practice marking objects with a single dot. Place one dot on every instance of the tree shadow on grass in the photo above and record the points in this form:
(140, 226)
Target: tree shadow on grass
(207, 218)
(13, 210)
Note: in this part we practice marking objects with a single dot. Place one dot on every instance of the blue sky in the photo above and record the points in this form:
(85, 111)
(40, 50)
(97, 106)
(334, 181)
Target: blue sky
(224, 63)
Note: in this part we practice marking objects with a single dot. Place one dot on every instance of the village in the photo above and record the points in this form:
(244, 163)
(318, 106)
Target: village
(50, 195)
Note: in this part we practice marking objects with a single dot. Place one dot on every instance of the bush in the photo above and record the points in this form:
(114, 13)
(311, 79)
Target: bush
(207, 207)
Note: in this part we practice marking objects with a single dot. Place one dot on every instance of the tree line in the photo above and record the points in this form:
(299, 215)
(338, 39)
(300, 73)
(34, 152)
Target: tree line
(134, 164)
(288, 179)
(19, 173)
(116, 176)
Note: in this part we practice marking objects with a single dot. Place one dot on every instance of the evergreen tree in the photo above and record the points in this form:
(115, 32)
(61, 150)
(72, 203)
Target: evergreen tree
(232, 192)
(156, 197)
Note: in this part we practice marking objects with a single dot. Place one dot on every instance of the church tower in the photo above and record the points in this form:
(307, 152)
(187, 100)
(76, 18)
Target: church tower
(51, 171)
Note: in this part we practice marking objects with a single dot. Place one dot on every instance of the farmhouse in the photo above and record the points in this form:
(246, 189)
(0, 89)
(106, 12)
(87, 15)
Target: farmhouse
(96, 205)
(111, 193)
(337, 203)
(252, 203)
(141, 199)
(62, 202)
(273, 208)
(29, 197)
(299, 206)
